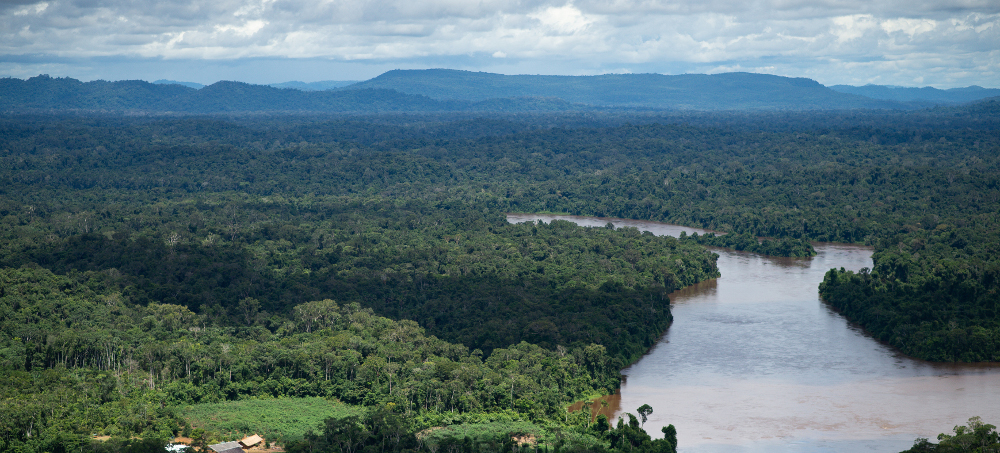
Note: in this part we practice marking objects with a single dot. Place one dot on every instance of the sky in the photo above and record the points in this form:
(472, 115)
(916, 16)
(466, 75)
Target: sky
(939, 43)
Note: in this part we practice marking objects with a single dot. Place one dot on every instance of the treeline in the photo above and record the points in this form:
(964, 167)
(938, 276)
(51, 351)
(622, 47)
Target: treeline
(748, 243)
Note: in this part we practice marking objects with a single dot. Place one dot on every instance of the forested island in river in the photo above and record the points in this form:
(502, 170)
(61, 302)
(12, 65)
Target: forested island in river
(349, 281)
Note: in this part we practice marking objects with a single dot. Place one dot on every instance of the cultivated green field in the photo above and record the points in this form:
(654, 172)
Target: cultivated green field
(274, 419)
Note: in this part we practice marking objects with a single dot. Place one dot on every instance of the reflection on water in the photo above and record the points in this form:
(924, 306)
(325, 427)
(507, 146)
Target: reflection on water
(689, 292)
(755, 362)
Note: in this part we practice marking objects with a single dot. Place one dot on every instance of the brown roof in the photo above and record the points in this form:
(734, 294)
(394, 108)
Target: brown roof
(251, 441)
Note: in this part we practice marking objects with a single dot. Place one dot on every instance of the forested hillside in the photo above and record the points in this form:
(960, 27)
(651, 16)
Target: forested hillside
(153, 262)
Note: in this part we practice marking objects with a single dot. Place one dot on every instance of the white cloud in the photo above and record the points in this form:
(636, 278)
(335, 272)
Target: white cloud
(248, 28)
(909, 26)
(835, 41)
(565, 19)
(849, 28)
(37, 8)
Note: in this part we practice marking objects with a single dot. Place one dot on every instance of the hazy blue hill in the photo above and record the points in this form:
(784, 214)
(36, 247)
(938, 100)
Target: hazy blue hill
(228, 96)
(315, 86)
(242, 97)
(44, 92)
(927, 94)
(47, 93)
(689, 91)
(194, 85)
(442, 90)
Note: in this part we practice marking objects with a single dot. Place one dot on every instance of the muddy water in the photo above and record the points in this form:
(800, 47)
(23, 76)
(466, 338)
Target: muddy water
(755, 362)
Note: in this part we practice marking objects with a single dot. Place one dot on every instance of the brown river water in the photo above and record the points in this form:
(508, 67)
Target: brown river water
(755, 362)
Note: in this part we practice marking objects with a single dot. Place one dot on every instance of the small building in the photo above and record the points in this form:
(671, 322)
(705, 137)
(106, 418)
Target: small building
(227, 447)
(248, 442)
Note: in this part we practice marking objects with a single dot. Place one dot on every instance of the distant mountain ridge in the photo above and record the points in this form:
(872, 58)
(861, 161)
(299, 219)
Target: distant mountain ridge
(315, 86)
(442, 90)
(303, 86)
(44, 93)
(729, 91)
(926, 94)
(194, 85)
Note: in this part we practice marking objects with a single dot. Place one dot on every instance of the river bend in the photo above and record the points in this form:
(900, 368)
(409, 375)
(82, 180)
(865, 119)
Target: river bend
(756, 362)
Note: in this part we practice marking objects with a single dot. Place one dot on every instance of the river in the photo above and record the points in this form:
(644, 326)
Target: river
(755, 362)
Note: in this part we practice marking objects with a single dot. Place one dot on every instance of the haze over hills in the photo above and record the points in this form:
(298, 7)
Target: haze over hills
(315, 86)
(926, 94)
(729, 91)
(46, 93)
(194, 85)
(441, 90)
(303, 86)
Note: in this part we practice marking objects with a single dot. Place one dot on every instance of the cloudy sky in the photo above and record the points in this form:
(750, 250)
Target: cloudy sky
(941, 43)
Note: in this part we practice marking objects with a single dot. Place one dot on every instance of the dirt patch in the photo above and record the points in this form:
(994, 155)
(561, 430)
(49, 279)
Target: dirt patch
(521, 439)
(427, 432)
(597, 406)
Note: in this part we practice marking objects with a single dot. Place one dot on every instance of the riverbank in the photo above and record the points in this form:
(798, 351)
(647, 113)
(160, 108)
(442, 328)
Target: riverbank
(755, 362)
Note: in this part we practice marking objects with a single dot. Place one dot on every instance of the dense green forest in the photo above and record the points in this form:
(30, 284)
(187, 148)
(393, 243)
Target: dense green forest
(149, 263)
